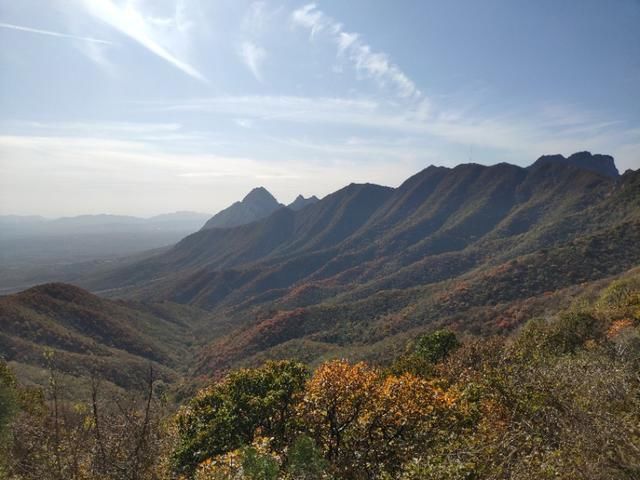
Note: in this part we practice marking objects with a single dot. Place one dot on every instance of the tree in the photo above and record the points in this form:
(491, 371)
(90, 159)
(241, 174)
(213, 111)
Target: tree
(428, 350)
(366, 423)
(229, 414)
(435, 346)
(305, 461)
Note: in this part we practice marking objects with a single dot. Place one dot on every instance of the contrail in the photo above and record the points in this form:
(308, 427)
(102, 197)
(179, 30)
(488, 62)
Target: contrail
(54, 34)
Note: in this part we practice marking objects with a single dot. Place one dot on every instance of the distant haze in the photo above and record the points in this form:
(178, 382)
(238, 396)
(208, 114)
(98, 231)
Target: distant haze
(142, 107)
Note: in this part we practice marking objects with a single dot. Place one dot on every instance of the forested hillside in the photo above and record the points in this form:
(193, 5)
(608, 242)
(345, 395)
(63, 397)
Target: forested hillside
(88, 336)
(558, 398)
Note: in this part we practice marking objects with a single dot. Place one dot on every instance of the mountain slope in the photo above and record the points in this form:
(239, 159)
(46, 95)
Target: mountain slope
(467, 215)
(285, 232)
(257, 204)
(87, 333)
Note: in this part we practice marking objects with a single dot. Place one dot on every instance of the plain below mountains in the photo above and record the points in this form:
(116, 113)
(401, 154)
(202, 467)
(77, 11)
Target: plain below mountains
(35, 250)
(32, 240)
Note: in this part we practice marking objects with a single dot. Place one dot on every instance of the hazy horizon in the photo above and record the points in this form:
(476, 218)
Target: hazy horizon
(139, 107)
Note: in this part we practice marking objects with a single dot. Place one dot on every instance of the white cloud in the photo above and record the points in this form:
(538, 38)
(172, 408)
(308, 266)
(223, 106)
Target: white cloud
(144, 29)
(55, 34)
(346, 40)
(253, 57)
(524, 135)
(375, 65)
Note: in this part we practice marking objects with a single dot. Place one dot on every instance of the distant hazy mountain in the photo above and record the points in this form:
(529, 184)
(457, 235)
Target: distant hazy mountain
(21, 226)
(300, 202)
(258, 204)
(181, 219)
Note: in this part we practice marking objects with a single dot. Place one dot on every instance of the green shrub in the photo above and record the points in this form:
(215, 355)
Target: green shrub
(229, 414)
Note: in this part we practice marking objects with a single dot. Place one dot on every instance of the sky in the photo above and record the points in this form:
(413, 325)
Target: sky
(143, 107)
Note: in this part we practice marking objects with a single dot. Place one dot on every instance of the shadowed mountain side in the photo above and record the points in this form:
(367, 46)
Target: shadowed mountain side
(438, 224)
(284, 233)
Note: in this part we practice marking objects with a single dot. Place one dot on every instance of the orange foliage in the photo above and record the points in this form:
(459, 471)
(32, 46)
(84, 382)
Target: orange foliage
(363, 420)
(618, 326)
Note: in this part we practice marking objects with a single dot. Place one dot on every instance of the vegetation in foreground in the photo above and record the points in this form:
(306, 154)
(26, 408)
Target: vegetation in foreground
(558, 399)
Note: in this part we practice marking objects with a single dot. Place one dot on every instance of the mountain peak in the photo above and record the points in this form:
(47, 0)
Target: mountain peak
(257, 204)
(300, 202)
(599, 163)
(261, 195)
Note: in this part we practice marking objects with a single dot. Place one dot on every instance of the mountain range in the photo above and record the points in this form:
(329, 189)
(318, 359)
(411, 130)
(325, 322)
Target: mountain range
(354, 274)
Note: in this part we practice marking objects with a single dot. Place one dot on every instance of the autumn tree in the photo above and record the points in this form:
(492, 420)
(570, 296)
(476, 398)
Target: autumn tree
(367, 423)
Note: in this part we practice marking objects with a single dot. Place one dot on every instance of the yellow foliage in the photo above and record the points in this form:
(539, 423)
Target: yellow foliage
(364, 420)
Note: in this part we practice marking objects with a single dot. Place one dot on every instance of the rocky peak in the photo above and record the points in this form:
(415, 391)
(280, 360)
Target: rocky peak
(602, 164)
(261, 196)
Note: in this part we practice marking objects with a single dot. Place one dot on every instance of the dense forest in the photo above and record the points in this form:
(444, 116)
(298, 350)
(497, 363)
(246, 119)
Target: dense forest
(557, 398)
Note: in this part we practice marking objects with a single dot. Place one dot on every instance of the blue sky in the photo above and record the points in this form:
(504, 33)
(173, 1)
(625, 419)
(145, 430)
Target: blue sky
(149, 106)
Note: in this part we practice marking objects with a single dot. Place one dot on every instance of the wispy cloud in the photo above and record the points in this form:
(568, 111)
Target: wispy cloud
(128, 20)
(521, 134)
(375, 65)
(253, 57)
(54, 34)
